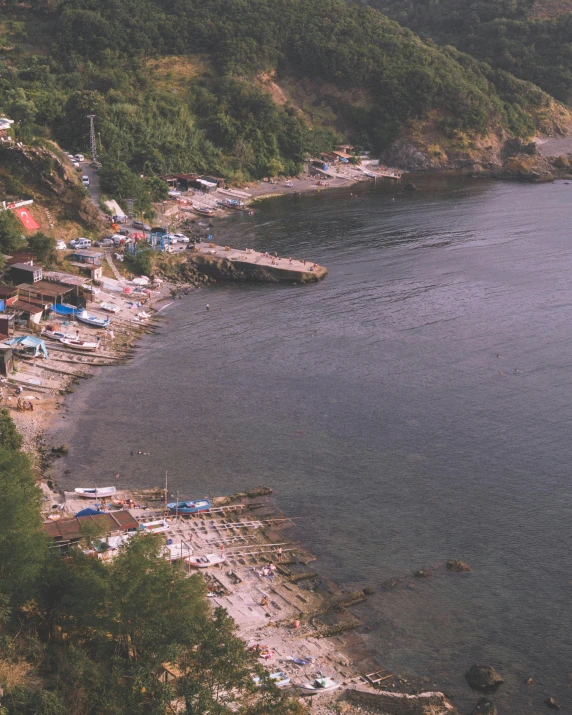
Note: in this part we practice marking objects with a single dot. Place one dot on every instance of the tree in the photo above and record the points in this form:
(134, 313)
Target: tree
(10, 438)
(22, 542)
(43, 247)
(10, 233)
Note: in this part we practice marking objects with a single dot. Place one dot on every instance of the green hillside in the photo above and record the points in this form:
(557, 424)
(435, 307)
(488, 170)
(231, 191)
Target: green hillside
(174, 83)
(530, 39)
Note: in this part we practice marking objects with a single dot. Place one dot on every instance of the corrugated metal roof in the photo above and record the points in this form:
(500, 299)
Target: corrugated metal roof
(70, 529)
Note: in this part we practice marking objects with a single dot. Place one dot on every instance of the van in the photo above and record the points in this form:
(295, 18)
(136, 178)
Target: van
(85, 181)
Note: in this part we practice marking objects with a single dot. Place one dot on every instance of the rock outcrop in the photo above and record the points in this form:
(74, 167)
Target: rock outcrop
(483, 677)
(458, 566)
(223, 269)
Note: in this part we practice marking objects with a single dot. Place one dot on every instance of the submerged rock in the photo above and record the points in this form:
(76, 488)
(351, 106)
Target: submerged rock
(484, 707)
(483, 677)
(551, 703)
(458, 566)
(422, 573)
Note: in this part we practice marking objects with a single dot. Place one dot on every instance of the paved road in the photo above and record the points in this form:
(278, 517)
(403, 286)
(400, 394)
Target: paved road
(94, 188)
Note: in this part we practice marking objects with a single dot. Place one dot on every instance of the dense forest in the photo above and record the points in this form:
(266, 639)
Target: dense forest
(80, 636)
(205, 110)
(513, 36)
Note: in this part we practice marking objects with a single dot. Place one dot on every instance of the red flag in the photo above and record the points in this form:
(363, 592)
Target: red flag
(26, 218)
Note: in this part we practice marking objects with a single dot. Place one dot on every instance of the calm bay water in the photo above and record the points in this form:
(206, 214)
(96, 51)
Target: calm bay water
(374, 405)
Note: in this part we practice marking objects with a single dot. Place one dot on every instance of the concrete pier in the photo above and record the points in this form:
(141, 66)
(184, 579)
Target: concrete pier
(225, 263)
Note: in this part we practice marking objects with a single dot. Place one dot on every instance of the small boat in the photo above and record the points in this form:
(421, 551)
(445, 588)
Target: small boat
(174, 552)
(203, 562)
(96, 492)
(110, 307)
(56, 334)
(154, 527)
(189, 507)
(203, 210)
(93, 320)
(281, 680)
(79, 344)
(319, 685)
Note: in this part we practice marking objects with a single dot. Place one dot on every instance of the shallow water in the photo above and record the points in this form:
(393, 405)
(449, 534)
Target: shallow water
(374, 405)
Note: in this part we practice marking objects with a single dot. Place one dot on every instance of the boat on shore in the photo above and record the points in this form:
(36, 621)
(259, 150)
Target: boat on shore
(95, 492)
(189, 507)
(158, 526)
(57, 334)
(110, 307)
(203, 210)
(93, 320)
(79, 344)
(203, 562)
(280, 679)
(317, 686)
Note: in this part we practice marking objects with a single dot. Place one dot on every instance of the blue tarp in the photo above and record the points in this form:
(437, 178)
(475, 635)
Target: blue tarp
(88, 512)
(63, 309)
(2, 306)
(37, 345)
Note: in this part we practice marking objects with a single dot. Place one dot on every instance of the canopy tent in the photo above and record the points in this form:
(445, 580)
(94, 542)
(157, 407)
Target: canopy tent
(88, 512)
(28, 343)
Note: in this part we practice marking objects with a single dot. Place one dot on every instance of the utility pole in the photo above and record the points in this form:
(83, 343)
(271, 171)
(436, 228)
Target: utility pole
(92, 144)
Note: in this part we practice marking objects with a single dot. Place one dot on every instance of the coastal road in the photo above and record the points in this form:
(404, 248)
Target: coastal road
(94, 187)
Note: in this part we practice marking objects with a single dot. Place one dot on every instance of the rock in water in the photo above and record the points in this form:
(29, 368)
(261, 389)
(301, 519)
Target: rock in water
(422, 573)
(551, 703)
(410, 187)
(483, 677)
(458, 566)
(484, 707)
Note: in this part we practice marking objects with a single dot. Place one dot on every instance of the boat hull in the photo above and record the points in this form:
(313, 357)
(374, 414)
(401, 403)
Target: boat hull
(102, 493)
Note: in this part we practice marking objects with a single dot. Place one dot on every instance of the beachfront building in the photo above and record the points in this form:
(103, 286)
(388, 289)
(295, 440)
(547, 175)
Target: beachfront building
(25, 273)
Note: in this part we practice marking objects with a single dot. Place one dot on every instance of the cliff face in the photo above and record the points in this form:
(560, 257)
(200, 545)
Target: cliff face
(40, 172)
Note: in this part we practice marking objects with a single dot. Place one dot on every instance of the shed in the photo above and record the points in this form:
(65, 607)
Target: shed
(6, 325)
(204, 185)
(93, 257)
(6, 360)
(94, 271)
(219, 181)
(184, 181)
(66, 530)
(30, 311)
(8, 294)
(45, 292)
(25, 273)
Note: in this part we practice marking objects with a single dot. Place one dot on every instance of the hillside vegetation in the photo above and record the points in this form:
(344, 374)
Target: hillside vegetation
(172, 82)
(532, 40)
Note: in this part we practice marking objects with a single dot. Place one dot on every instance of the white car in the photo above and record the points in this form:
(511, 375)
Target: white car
(85, 181)
(80, 243)
(60, 245)
(79, 157)
(75, 163)
(181, 238)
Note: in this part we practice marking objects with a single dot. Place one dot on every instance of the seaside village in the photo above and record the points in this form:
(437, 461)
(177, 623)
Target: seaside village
(57, 325)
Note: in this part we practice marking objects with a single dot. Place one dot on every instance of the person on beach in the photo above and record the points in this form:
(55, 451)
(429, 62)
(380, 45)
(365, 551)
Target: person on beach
(279, 552)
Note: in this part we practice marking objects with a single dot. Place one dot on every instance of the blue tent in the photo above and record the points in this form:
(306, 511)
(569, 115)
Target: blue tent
(63, 309)
(27, 343)
(88, 512)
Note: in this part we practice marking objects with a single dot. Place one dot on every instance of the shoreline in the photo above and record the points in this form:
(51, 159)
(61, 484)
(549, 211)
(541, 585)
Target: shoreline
(335, 643)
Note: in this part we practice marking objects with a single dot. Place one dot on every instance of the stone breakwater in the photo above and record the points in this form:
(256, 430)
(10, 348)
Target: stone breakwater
(223, 263)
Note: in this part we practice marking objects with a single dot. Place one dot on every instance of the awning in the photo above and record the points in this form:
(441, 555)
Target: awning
(37, 345)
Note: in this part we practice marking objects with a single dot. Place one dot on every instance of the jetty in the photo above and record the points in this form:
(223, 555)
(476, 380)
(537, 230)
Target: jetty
(226, 263)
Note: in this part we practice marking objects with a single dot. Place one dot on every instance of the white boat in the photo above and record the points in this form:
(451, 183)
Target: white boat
(203, 562)
(56, 334)
(84, 317)
(280, 679)
(154, 527)
(79, 344)
(96, 492)
(110, 307)
(319, 685)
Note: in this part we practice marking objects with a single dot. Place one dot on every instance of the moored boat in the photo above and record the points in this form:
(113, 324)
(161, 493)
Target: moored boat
(93, 320)
(79, 344)
(203, 562)
(319, 685)
(189, 507)
(95, 492)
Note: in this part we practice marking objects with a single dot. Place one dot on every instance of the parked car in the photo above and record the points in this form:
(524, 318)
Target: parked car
(75, 163)
(117, 239)
(70, 156)
(140, 225)
(80, 243)
(85, 181)
(60, 245)
(123, 231)
(79, 157)
(104, 243)
(181, 238)
(119, 219)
